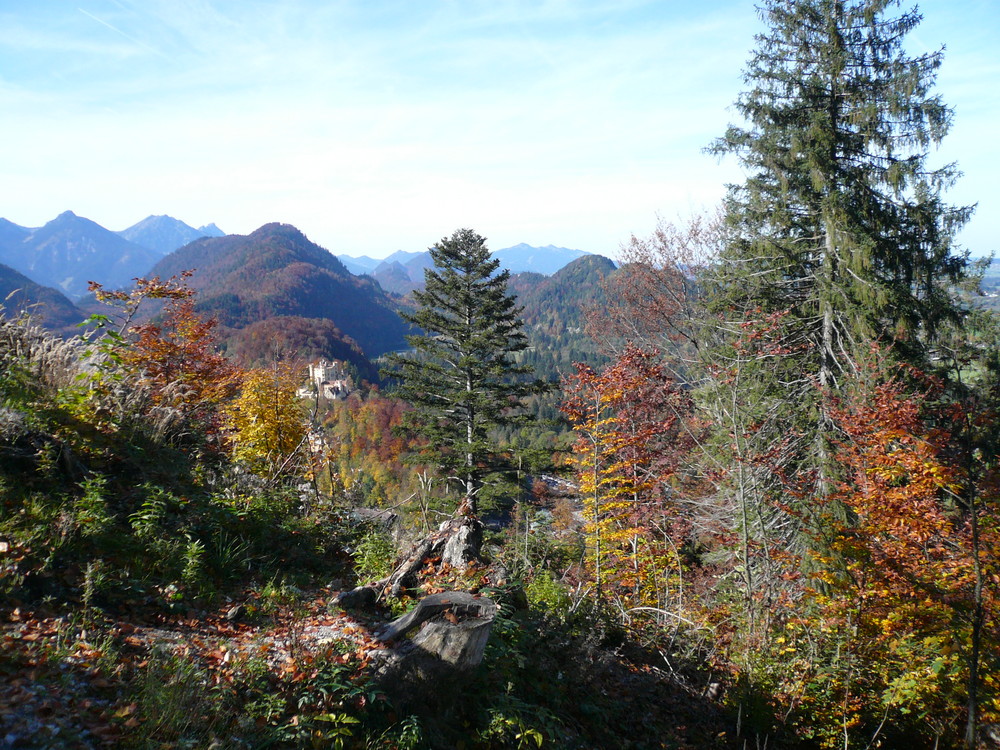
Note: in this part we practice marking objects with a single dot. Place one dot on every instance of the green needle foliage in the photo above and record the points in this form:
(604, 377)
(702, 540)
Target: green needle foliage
(460, 375)
(839, 238)
(841, 216)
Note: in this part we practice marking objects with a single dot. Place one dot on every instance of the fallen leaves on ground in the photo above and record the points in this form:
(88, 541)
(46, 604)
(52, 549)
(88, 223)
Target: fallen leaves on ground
(63, 682)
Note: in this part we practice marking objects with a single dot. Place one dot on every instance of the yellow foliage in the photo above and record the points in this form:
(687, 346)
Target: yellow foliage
(626, 419)
(267, 422)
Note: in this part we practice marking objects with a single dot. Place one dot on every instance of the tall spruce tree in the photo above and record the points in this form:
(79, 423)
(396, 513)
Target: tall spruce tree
(839, 237)
(460, 376)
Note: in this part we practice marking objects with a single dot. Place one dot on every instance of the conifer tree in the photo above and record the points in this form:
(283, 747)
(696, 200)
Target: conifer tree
(840, 227)
(460, 375)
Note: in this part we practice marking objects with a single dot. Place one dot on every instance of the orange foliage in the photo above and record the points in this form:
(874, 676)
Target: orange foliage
(180, 355)
(897, 621)
(176, 361)
(127, 304)
(629, 421)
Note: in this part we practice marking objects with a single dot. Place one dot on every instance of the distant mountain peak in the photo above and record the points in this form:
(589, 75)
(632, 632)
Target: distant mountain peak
(275, 226)
(404, 256)
(546, 260)
(71, 250)
(211, 230)
(163, 234)
(359, 264)
(277, 272)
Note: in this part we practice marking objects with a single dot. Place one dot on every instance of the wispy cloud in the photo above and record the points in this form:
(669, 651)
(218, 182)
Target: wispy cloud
(122, 33)
(18, 38)
(385, 124)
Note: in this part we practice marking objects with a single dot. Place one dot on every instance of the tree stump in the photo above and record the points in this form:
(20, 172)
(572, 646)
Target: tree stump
(456, 627)
(425, 672)
(430, 670)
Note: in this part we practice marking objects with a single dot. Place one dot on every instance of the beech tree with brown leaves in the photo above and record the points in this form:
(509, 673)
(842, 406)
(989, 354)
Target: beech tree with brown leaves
(631, 421)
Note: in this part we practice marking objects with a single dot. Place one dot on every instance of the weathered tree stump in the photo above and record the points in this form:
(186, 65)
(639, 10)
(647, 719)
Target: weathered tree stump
(425, 671)
(429, 671)
(456, 627)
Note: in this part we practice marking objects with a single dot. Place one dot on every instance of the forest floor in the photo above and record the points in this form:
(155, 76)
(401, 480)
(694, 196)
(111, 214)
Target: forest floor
(64, 679)
(254, 668)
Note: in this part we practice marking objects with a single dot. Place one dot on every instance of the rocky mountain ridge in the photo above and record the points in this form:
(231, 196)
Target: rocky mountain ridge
(403, 271)
(70, 251)
(164, 234)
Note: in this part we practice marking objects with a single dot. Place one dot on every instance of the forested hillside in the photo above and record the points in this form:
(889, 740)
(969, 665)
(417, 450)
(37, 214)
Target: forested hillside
(742, 491)
(556, 310)
(276, 272)
(21, 295)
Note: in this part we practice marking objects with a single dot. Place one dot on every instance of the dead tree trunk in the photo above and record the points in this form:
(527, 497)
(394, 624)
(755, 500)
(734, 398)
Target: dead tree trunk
(457, 542)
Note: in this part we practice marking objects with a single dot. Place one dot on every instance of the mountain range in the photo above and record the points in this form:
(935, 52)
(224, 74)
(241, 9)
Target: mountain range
(164, 234)
(70, 251)
(274, 292)
(403, 271)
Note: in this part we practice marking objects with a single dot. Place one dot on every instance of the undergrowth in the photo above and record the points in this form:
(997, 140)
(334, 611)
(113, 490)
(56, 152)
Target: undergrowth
(154, 593)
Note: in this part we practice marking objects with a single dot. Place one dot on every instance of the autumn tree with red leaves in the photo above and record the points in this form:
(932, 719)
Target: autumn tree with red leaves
(631, 420)
(183, 378)
(900, 608)
(180, 360)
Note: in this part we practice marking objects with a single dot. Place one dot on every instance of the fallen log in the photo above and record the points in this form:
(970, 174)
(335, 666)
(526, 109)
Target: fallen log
(457, 542)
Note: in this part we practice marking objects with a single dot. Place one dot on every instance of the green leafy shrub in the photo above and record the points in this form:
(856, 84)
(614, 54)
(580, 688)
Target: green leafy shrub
(374, 555)
(545, 593)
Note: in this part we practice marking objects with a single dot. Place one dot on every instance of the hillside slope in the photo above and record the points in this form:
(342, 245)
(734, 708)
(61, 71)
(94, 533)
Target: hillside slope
(53, 309)
(555, 312)
(277, 272)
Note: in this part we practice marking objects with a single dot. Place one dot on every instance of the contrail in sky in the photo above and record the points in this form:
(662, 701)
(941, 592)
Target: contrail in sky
(119, 31)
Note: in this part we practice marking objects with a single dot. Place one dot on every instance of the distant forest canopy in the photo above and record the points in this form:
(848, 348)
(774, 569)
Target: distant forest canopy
(263, 288)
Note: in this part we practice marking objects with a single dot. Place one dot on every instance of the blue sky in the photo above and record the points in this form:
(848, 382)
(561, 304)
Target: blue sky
(378, 125)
